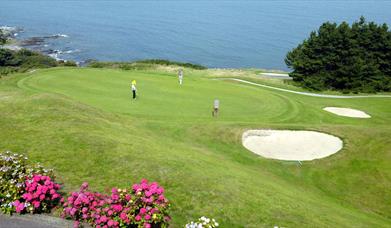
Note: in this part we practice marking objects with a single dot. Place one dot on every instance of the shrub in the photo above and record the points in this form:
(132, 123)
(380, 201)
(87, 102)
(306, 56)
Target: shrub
(41, 195)
(347, 57)
(168, 63)
(144, 205)
(97, 64)
(3, 38)
(14, 171)
(203, 222)
(143, 64)
(22, 60)
(70, 63)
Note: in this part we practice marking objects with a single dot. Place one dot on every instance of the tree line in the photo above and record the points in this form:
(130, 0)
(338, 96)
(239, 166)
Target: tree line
(351, 58)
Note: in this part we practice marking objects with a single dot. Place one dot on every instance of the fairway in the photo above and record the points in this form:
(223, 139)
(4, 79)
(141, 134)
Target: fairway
(83, 123)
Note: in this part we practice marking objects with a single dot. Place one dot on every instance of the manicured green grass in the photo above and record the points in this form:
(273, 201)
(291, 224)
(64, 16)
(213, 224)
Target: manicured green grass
(83, 123)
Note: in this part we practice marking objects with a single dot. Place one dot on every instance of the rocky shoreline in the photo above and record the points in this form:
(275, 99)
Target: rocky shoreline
(10, 34)
(36, 43)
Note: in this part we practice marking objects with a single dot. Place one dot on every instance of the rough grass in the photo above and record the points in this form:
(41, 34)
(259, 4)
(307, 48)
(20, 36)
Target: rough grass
(83, 123)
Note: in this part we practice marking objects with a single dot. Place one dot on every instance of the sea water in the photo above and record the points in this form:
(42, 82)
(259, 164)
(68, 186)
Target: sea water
(224, 34)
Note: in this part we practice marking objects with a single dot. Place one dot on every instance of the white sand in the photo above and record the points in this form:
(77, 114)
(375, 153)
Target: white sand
(347, 112)
(291, 145)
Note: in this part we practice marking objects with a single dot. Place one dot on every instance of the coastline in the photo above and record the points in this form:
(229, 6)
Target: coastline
(39, 44)
(42, 44)
(59, 47)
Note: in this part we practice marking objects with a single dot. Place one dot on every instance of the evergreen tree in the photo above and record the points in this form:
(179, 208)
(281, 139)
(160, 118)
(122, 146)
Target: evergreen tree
(343, 57)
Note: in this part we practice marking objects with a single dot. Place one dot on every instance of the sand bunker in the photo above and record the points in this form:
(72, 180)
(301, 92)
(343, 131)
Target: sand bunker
(347, 112)
(291, 145)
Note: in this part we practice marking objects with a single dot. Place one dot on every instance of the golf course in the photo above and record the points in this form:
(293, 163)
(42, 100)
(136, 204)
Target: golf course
(83, 123)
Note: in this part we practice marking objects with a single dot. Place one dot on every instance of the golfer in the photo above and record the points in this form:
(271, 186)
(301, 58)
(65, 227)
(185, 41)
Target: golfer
(180, 76)
(134, 89)
(216, 105)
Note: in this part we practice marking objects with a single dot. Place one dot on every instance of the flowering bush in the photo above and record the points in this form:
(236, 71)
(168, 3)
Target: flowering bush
(30, 188)
(41, 195)
(203, 222)
(84, 206)
(14, 171)
(144, 205)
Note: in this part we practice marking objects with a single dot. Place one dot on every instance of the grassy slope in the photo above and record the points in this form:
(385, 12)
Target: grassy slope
(254, 75)
(83, 123)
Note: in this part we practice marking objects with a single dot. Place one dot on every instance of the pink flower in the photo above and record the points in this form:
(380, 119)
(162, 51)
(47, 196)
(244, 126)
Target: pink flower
(103, 219)
(147, 225)
(115, 197)
(55, 196)
(147, 217)
(148, 193)
(19, 207)
(36, 178)
(138, 218)
(27, 196)
(117, 207)
(84, 210)
(67, 210)
(128, 197)
(42, 197)
(148, 200)
(123, 216)
(143, 211)
(159, 191)
(36, 204)
(44, 189)
(135, 187)
(110, 223)
(73, 211)
(77, 202)
(144, 186)
(114, 191)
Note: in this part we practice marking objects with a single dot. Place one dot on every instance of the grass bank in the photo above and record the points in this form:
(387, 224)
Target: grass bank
(83, 123)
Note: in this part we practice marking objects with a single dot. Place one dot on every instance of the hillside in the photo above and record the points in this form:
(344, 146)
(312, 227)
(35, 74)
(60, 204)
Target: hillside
(83, 123)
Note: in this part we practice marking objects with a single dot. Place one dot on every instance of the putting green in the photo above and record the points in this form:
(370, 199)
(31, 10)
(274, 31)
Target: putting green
(83, 123)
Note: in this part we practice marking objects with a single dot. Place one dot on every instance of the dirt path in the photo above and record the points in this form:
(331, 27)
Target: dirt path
(306, 93)
(33, 221)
